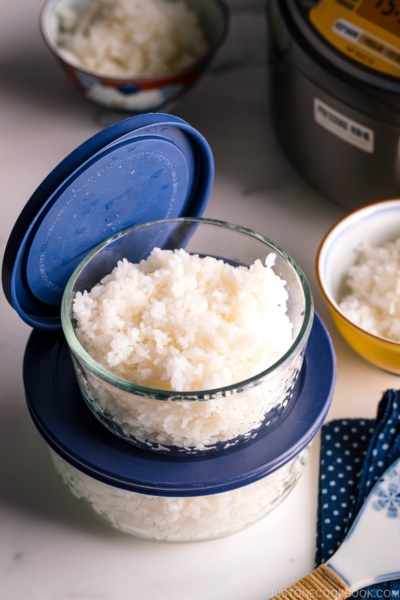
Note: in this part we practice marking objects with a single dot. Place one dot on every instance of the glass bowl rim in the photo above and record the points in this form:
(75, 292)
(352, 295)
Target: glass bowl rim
(159, 394)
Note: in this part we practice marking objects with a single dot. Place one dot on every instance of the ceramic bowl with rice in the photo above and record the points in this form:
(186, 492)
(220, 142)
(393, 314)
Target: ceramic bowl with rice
(134, 55)
(358, 268)
(188, 335)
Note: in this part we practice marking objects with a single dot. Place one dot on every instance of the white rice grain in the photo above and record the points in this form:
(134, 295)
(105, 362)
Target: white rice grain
(181, 322)
(373, 302)
(130, 38)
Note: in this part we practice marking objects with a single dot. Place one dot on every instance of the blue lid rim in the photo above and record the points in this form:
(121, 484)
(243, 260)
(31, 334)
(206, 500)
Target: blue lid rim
(14, 280)
(115, 462)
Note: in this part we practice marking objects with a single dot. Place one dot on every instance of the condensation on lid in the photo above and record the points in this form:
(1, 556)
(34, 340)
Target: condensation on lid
(141, 169)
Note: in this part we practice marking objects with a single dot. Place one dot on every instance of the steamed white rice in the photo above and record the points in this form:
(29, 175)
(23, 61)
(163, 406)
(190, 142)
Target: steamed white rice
(196, 425)
(373, 302)
(184, 323)
(182, 519)
(181, 322)
(130, 38)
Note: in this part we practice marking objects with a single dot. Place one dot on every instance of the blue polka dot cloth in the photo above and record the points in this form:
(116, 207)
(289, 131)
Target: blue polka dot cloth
(354, 454)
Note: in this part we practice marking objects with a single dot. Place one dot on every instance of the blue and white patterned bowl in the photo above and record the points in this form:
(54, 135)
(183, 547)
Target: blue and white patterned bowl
(140, 94)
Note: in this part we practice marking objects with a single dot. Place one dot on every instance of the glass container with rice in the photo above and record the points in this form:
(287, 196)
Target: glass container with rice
(188, 335)
(201, 303)
(157, 496)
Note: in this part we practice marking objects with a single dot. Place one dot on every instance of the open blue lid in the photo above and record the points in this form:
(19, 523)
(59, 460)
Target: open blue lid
(142, 169)
(73, 432)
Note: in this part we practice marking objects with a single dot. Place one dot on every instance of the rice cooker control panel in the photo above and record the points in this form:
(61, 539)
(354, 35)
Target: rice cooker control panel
(368, 31)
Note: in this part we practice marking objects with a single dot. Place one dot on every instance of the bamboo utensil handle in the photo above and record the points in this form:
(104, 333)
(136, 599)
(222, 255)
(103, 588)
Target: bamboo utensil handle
(322, 584)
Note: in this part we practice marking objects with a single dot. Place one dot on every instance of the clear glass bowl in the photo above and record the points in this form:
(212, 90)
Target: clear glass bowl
(192, 422)
(183, 518)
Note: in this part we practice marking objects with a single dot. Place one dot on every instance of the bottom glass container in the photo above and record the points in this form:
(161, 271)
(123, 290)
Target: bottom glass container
(165, 497)
(182, 519)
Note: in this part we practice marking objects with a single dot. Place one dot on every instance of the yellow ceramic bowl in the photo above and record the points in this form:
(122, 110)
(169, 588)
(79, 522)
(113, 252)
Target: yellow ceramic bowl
(376, 224)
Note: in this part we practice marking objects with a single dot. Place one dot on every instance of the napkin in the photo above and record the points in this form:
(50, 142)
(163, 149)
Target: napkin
(354, 454)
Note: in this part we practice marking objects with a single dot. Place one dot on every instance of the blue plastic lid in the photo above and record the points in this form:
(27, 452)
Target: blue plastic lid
(74, 433)
(144, 168)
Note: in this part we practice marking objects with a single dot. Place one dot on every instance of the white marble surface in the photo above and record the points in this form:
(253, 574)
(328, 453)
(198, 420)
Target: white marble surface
(49, 548)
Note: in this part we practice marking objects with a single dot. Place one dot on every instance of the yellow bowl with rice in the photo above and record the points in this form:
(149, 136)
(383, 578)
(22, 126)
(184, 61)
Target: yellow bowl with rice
(358, 271)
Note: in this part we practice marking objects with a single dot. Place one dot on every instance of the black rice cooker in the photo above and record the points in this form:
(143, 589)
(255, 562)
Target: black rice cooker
(335, 94)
